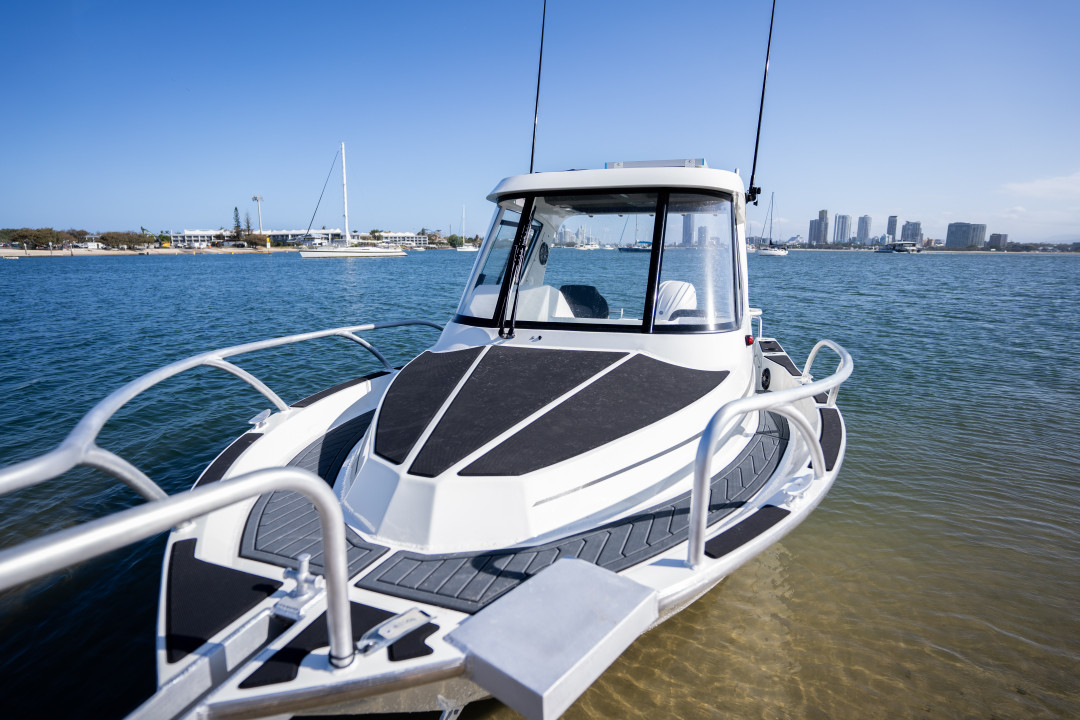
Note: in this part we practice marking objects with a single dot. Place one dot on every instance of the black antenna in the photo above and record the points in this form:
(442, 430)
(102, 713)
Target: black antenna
(539, 67)
(752, 195)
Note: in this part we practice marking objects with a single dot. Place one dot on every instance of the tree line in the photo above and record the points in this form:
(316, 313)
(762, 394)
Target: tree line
(44, 238)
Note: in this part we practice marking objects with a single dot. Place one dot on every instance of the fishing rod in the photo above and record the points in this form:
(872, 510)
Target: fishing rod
(539, 67)
(751, 196)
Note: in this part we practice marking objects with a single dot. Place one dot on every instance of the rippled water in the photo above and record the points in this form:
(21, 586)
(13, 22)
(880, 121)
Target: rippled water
(939, 578)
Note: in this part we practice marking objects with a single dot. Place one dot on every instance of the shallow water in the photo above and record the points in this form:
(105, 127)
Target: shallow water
(938, 579)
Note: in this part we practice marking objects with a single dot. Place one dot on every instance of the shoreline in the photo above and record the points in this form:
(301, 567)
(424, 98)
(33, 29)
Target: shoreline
(82, 252)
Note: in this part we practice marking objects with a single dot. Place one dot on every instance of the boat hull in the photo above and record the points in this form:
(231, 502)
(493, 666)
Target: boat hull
(430, 664)
(357, 252)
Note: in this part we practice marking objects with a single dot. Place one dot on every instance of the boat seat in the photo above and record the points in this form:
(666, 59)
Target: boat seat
(676, 299)
(585, 301)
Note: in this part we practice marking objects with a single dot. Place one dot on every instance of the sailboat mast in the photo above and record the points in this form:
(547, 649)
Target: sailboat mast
(345, 195)
(463, 225)
(772, 196)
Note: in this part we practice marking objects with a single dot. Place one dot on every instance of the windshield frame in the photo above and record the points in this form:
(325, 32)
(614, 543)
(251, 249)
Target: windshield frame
(656, 257)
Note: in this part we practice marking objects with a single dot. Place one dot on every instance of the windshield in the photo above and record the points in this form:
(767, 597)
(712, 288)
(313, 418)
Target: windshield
(587, 257)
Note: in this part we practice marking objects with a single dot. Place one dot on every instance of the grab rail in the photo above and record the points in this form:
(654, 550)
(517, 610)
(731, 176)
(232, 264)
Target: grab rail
(64, 548)
(80, 448)
(779, 401)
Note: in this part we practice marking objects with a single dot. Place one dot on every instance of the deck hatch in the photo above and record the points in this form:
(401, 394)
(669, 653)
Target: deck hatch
(506, 387)
(638, 393)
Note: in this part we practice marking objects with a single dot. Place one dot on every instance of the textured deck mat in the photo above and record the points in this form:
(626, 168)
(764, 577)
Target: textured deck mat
(201, 599)
(285, 663)
(598, 414)
(469, 581)
(832, 435)
(284, 524)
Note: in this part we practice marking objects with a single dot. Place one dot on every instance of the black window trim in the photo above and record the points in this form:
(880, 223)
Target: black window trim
(647, 324)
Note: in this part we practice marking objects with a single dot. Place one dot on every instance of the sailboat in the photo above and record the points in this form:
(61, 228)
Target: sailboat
(465, 246)
(347, 251)
(772, 250)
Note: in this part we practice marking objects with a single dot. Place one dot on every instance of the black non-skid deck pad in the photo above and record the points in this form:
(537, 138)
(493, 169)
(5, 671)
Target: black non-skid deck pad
(506, 387)
(284, 524)
(283, 665)
(832, 433)
(414, 398)
(469, 581)
(224, 461)
(786, 362)
(312, 399)
(325, 456)
(634, 395)
(202, 598)
(745, 531)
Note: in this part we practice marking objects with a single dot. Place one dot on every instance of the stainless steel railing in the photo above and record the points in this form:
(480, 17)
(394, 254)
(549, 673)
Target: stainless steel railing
(64, 548)
(779, 401)
(80, 448)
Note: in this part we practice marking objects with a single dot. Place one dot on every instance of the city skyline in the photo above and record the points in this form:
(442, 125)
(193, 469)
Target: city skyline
(435, 104)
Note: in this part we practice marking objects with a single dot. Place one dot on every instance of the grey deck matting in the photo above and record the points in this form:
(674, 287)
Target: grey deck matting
(469, 581)
(284, 524)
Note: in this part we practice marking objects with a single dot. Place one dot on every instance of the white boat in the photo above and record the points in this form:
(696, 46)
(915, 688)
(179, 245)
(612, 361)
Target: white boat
(465, 246)
(903, 246)
(772, 249)
(567, 466)
(347, 250)
(589, 246)
(353, 251)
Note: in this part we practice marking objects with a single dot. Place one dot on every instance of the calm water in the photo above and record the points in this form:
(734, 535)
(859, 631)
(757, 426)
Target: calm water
(939, 579)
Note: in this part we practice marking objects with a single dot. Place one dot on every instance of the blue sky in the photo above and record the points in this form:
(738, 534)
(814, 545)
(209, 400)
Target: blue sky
(167, 115)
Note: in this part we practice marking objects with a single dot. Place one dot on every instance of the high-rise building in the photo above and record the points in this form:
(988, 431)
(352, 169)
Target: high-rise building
(999, 241)
(863, 236)
(891, 231)
(961, 235)
(819, 229)
(912, 232)
(688, 229)
(842, 230)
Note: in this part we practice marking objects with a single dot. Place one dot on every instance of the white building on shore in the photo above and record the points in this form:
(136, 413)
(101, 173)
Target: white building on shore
(193, 239)
(198, 239)
(405, 240)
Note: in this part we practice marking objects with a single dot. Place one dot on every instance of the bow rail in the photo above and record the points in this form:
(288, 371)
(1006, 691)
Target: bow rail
(778, 401)
(80, 446)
